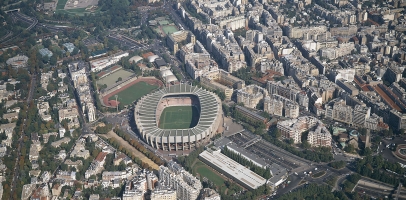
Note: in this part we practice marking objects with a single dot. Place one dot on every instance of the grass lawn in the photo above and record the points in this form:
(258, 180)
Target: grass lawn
(134, 92)
(61, 4)
(169, 29)
(179, 117)
(318, 174)
(204, 171)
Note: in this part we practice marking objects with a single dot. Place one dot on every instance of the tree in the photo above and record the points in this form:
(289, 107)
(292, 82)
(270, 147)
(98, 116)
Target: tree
(366, 151)
(349, 148)
(3, 135)
(53, 60)
(9, 87)
(47, 43)
(119, 79)
(290, 141)
(275, 133)
(306, 144)
(75, 51)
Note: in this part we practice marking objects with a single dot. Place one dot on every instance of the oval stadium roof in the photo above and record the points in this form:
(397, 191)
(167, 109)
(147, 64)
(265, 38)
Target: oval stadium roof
(146, 118)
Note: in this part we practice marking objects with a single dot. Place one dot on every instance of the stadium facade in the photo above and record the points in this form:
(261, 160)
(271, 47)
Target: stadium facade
(149, 108)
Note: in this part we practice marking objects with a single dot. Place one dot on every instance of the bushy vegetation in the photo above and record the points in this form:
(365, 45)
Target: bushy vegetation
(187, 161)
(103, 129)
(337, 165)
(314, 192)
(376, 168)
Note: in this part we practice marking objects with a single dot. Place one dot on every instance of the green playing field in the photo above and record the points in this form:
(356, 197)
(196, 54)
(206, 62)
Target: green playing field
(134, 92)
(179, 117)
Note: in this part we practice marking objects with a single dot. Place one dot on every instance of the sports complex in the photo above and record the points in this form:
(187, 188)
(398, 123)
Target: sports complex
(178, 117)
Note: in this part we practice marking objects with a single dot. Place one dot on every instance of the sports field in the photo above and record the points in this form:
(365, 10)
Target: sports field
(179, 117)
(169, 29)
(204, 171)
(133, 92)
(163, 22)
(112, 78)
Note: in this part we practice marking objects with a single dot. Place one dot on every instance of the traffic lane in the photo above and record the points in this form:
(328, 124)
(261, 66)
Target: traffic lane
(294, 183)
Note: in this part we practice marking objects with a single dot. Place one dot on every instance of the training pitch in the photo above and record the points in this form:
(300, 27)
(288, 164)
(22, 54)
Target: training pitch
(112, 79)
(133, 92)
(179, 117)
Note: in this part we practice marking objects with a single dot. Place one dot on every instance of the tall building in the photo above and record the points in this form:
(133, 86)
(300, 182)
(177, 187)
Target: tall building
(186, 185)
(163, 194)
(251, 95)
(175, 38)
(393, 74)
(78, 73)
(295, 127)
(273, 106)
(281, 106)
(320, 137)
(397, 120)
(360, 115)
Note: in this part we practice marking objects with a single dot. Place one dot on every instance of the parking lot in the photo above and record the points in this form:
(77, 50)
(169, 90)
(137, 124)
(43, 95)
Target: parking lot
(268, 151)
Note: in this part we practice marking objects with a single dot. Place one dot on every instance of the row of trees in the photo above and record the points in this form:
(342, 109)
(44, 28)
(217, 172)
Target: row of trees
(350, 182)
(139, 146)
(187, 161)
(113, 142)
(337, 165)
(264, 172)
(314, 192)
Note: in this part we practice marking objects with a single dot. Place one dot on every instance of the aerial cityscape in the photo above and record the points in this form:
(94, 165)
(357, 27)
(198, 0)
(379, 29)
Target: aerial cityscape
(202, 99)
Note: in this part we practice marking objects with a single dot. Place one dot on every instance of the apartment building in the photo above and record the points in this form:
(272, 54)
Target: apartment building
(295, 127)
(320, 137)
(186, 185)
(251, 95)
(223, 81)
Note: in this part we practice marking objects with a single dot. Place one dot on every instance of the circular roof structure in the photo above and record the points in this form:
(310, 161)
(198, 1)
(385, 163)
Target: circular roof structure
(152, 58)
(165, 73)
(171, 78)
(135, 59)
(146, 117)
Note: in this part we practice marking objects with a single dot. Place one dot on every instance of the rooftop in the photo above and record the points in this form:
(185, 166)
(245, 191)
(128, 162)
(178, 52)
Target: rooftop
(234, 169)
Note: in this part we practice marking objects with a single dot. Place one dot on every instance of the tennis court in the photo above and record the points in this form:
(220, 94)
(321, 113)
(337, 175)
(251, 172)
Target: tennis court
(111, 79)
(179, 117)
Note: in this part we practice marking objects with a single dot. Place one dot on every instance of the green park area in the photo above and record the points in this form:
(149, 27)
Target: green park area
(134, 92)
(179, 117)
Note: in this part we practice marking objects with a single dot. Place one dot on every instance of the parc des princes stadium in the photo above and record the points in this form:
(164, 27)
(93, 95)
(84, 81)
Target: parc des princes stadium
(149, 108)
